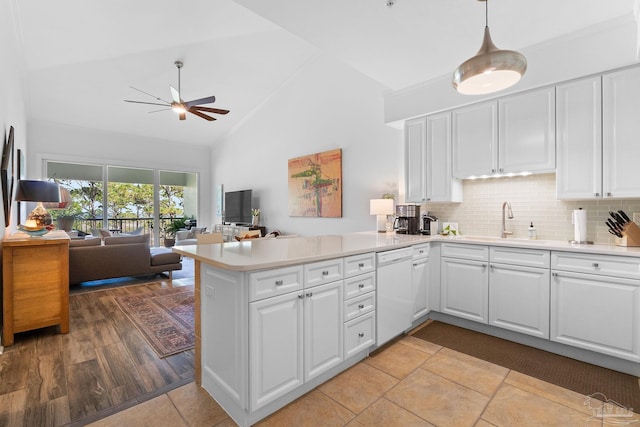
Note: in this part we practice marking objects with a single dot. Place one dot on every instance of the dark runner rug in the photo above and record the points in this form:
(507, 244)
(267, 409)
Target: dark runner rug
(165, 318)
(581, 377)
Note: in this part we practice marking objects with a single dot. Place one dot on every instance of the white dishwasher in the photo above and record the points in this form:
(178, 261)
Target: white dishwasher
(394, 308)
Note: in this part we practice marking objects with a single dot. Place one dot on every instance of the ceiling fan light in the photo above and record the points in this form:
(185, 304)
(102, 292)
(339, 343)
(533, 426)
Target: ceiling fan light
(178, 108)
(490, 70)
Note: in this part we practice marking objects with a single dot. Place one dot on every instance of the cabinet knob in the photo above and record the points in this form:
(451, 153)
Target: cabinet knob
(361, 265)
(361, 285)
(361, 335)
(279, 282)
(554, 274)
(361, 306)
(309, 294)
(301, 296)
(609, 195)
(595, 265)
(484, 265)
(596, 194)
(493, 170)
(501, 169)
(325, 273)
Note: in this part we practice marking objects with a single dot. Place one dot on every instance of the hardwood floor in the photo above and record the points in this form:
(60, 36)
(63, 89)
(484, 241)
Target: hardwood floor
(101, 366)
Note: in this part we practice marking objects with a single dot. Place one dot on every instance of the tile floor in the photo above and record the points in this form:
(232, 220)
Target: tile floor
(409, 383)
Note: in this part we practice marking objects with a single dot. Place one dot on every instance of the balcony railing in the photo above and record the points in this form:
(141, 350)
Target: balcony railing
(123, 225)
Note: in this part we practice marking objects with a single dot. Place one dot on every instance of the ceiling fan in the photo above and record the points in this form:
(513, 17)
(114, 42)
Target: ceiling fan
(179, 105)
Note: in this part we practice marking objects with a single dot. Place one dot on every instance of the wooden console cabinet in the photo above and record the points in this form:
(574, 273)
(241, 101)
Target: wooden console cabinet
(35, 290)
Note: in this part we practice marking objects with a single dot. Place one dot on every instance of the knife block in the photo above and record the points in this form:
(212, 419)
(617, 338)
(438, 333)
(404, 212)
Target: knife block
(630, 235)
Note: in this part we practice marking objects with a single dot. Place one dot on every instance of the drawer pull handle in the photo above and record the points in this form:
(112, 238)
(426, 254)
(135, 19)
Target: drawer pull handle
(554, 274)
(361, 306)
(361, 285)
(484, 265)
(361, 335)
(361, 265)
(279, 282)
(595, 265)
(309, 294)
(420, 251)
(301, 296)
(325, 273)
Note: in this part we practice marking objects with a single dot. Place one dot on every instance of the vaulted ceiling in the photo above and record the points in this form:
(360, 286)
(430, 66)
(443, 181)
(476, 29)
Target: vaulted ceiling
(81, 57)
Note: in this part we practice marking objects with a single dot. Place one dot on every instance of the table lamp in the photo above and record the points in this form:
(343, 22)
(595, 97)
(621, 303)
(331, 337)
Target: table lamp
(38, 191)
(381, 208)
(65, 200)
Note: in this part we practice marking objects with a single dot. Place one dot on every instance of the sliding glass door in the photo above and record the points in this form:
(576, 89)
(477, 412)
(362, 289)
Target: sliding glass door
(137, 200)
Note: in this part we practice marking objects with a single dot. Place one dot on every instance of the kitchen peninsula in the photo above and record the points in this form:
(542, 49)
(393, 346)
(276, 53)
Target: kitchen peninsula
(277, 317)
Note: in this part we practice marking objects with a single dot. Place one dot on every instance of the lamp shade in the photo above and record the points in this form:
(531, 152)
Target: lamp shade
(381, 206)
(37, 191)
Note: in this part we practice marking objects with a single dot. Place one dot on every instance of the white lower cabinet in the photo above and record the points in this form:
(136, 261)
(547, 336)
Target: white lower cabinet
(293, 338)
(598, 311)
(359, 304)
(420, 280)
(465, 288)
(276, 343)
(519, 299)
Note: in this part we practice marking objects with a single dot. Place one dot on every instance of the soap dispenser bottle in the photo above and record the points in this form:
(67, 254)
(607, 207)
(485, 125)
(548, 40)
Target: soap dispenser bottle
(532, 232)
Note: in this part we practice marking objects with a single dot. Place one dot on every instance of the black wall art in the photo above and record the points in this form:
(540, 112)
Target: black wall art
(6, 176)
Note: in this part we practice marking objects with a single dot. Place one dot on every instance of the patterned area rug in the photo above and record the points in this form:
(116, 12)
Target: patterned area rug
(165, 318)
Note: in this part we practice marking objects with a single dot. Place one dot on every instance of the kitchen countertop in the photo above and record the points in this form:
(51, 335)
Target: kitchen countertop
(250, 255)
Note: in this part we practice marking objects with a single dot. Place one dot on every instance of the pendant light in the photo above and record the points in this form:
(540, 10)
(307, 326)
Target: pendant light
(491, 69)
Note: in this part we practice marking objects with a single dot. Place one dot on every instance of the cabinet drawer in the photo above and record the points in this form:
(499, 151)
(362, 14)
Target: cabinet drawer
(465, 251)
(269, 283)
(420, 251)
(359, 334)
(358, 264)
(317, 273)
(517, 256)
(359, 285)
(606, 265)
(359, 305)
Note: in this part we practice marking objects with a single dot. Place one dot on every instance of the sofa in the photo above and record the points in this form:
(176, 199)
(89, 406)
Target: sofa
(188, 237)
(98, 259)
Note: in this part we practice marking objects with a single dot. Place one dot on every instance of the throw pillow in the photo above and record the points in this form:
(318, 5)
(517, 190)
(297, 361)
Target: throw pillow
(74, 243)
(123, 240)
(196, 230)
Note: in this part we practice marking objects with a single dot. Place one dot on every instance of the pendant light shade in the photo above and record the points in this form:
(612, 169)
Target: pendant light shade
(491, 69)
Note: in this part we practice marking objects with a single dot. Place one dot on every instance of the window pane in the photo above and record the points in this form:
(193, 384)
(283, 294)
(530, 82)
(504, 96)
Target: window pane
(130, 199)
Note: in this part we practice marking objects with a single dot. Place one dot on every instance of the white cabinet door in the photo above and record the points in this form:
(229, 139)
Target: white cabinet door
(475, 140)
(526, 134)
(276, 347)
(419, 285)
(579, 139)
(621, 127)
(415, 160)
(598, 313)
(441, 186)
(465, 289)
(323, 328)
(519, 299)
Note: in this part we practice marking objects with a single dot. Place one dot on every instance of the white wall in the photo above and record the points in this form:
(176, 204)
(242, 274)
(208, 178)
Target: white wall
(12, 105)
(68, 143)
(325, 106)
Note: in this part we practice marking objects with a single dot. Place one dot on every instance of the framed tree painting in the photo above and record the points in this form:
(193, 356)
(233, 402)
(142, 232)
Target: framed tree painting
(315, 185)
(6, 176)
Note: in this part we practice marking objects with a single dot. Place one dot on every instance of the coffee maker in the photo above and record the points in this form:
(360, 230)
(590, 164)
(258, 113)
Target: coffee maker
(407, 219)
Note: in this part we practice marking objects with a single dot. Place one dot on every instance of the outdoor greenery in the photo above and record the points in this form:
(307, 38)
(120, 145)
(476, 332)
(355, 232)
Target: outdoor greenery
(124, 200)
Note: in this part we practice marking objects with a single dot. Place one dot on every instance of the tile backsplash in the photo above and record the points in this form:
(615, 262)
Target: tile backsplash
(533, 199)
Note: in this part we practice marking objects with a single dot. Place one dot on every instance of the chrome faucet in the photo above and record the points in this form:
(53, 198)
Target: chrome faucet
(505, 233)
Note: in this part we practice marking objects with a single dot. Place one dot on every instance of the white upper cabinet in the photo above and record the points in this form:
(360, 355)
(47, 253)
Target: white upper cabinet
(621, 130)
(511, 135)
(415, 161)
(579, 139)
(428, 175)
(475, 140)
(526, 132)
(441, 187)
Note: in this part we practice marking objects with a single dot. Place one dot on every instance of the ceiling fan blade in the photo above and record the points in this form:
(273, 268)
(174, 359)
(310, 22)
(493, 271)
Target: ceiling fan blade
(175, 94)
(207, 100)
(183, 116)
(148, 103)
(199, 114)
(210, 110)
(157, 111)
(148, 94)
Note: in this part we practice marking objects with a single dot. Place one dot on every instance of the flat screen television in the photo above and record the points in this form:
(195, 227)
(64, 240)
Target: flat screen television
(237, 207)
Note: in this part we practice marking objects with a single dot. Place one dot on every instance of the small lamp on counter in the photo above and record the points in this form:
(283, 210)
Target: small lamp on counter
(382, 208)
(38, 191)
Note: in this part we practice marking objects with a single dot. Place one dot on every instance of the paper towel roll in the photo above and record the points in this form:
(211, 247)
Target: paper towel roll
(579, 219)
